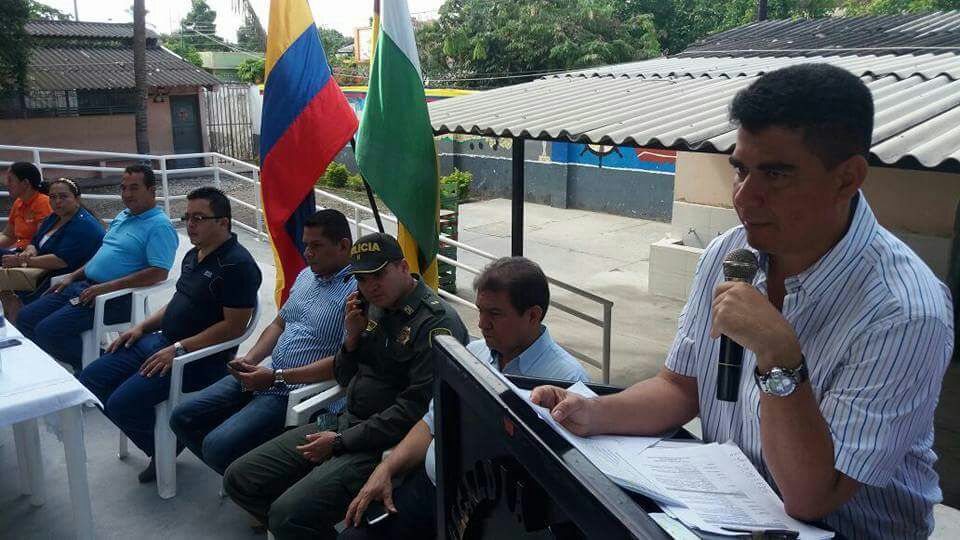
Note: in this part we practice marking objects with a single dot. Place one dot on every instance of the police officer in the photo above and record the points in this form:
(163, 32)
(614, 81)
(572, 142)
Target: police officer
(301, 482)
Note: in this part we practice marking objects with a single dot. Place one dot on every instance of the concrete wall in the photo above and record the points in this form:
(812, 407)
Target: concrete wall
(112, 133)
(919, 207)
(626, 192)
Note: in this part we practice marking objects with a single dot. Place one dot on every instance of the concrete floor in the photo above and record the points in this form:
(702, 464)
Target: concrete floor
(606, 255)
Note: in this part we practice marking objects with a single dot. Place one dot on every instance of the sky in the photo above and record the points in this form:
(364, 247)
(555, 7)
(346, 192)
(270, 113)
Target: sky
(164, 15)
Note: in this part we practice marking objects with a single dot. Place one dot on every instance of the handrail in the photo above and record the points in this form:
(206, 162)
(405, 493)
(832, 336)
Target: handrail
(216, 166)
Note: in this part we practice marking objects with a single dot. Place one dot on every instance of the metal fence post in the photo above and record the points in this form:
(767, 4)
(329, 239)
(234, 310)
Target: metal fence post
(166, 186)
(216, 170)
(259, 211)
(36, 161)
(607, 329)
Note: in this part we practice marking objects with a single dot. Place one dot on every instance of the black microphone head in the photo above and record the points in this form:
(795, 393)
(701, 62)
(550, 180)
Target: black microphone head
(740, 265)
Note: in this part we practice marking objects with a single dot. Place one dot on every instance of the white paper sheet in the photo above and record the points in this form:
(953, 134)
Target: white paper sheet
(718, 486)
(614, 455)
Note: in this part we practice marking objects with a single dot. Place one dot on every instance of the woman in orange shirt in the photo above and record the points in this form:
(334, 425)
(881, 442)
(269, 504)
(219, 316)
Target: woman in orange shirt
(30, 207)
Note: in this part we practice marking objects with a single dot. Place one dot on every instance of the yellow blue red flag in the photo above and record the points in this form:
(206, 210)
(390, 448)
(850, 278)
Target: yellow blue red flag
(306, 121)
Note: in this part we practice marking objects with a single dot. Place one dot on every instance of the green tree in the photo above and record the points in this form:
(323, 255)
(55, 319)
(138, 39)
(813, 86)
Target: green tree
(250, 36)
(251, 70)
(486, 41)
(198, 28)
(14, 45)
(896, 7)
(43, 12)
(681, 22)
(185, 51)
(331, 41)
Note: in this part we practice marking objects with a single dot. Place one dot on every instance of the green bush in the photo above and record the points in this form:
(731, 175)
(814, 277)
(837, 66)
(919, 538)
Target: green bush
(355, 182)
(459, 181)
(336, 175)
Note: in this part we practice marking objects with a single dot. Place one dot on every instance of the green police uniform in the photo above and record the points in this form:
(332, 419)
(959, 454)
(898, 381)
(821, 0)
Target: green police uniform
(389, 382)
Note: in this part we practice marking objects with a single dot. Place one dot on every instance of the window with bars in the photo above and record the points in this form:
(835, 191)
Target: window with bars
(61, 103)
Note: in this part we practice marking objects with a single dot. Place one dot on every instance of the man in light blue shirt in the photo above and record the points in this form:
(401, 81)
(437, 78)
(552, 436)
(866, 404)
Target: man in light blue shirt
(137, 251)
(512, 297)
(846, 332)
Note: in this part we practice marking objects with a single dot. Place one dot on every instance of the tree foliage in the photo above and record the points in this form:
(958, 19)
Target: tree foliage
(14, 45)
(896, 7)
(251, 70)
(43, 12)
(481, 40)
(332, 40)
(250, 36)
(185, 51)
(198, 28)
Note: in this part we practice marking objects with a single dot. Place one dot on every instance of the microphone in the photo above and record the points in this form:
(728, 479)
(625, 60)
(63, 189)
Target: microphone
(738, 265)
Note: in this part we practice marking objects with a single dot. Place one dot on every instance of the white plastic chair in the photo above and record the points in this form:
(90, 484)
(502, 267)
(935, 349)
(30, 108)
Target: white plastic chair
(303, 402)
(164, 439)
(139, 309)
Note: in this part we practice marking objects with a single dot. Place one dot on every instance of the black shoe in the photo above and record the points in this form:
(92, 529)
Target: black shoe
(149, 474)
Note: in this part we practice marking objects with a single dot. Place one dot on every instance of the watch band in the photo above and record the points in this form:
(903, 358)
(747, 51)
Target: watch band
(797, 375)
(278, 377)
(178, 349)
(337, 447)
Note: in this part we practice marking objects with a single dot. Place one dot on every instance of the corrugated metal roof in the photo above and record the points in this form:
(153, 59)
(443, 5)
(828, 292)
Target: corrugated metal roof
(896, 34)
(82, 29)
(105, 68)
(917, 114)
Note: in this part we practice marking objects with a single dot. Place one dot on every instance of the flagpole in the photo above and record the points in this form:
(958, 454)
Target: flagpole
(373, 202)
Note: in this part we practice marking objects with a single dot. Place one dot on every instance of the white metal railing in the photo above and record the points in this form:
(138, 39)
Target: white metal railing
(360, 212)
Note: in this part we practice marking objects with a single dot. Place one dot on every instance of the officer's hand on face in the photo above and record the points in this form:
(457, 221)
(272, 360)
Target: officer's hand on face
(571, 410)
(355, 320)
(379, 487)
(319, 446)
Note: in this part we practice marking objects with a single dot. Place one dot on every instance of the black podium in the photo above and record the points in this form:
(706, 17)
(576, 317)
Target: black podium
(503, 473)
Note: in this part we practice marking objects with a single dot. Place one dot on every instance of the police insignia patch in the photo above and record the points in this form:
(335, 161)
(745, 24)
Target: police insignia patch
(371, 326)
(404, 336)
(408, 310)
(439, 332)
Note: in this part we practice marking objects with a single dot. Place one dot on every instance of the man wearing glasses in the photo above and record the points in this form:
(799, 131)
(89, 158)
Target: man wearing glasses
(215, 298)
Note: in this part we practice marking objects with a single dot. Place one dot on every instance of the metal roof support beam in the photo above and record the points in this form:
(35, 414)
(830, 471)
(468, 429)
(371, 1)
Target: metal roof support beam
(516, 208)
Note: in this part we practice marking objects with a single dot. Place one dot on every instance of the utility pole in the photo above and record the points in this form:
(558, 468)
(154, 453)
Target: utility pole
(761, 10)
(76, 14)
(140, 75)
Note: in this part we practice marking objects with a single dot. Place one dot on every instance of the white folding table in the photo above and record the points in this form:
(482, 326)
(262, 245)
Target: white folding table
(33, 385)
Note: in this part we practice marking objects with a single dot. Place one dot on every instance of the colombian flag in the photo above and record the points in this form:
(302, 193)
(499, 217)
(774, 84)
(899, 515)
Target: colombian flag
(306, 121)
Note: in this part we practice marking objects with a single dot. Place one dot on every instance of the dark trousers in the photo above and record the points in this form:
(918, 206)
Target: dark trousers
(295, 497)
(222, 422)
(129, 398)
(416, 517)
(55, 325)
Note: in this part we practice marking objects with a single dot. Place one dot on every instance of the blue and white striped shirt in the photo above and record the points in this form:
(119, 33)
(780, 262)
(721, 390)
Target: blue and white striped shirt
(313, 318)
(876, 328)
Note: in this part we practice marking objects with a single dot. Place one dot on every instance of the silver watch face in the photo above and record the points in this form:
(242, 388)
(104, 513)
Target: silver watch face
(780, 383)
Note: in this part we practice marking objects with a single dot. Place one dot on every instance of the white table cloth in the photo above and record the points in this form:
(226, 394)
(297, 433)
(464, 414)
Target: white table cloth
(33, 385)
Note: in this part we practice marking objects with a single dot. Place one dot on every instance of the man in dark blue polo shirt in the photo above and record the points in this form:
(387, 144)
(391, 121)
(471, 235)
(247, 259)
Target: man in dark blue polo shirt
(215, 298)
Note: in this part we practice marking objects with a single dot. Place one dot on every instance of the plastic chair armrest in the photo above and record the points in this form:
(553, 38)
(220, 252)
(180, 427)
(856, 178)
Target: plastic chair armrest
(301, 412)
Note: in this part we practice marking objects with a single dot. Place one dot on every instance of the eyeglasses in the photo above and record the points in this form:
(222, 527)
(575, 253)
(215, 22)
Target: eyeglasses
(197, 218)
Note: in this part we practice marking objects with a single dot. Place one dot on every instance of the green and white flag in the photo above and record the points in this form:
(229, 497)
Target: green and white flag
(395, 148)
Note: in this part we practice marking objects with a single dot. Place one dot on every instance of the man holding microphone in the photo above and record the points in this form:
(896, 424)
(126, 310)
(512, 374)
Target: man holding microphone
(846, 333)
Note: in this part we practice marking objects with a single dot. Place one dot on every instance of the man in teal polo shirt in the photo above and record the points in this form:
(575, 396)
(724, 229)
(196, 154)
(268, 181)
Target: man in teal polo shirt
(138, 250)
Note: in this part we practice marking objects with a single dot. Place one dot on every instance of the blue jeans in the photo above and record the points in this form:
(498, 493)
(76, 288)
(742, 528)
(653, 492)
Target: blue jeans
(55, 325)
(222, 422)
(129, 398)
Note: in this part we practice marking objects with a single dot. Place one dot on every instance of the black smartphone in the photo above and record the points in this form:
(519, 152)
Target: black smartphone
(9, 342)
(362, 302)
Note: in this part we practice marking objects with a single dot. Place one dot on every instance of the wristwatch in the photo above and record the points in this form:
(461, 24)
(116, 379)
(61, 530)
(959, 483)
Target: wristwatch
(278, 377)
(337, 447)
(781, 382)
(178, 349)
